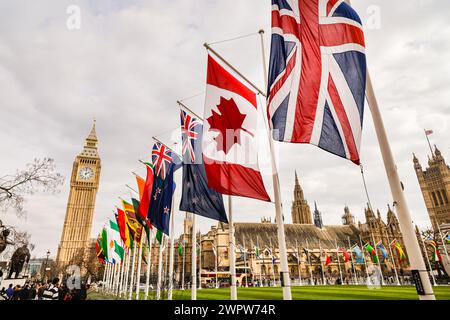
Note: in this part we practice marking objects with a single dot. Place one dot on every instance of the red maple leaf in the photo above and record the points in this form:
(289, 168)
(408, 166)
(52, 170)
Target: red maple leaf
(229, 124)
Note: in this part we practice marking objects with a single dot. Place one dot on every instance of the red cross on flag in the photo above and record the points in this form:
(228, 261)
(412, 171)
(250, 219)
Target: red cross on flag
(229, 144)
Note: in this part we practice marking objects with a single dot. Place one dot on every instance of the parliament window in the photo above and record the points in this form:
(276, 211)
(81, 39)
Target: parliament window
(441, 201)
(434, 199)
(444, 194)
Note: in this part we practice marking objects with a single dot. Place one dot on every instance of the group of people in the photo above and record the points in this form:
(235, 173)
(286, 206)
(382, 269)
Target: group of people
(52, 290)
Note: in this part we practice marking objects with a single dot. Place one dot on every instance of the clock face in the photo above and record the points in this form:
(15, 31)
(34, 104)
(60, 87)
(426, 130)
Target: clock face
(86, 173)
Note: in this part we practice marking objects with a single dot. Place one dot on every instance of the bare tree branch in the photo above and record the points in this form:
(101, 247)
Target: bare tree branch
(40, 175)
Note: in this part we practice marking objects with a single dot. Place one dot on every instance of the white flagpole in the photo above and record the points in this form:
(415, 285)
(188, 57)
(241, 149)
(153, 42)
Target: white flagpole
(321, 264)
(106, 289)
(122, 271)
(111, 284)
(127, 273)
(353, 263)
(428, 259)
(160, 262)
(184, 262)
(299, 263)
(149, 262)
(273, 264)
(194, 261)
(404, 217)
(111, 274)
(232, 246)
(339, 262)
(310, 264)
(363, 251)
(119, 271)
(378, 258)
(245, 262)
(393, 262)
(216, 258)
(132, 271)
(200, 262)
(104, 276)
(284, 272)
(171, 255)
(258, 259)
(138, 275)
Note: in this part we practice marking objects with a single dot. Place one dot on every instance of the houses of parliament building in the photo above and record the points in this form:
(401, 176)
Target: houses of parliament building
(308, 240)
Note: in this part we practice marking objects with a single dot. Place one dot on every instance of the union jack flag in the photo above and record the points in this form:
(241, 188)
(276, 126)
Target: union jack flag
(189, 134)
(317, 75)
(161, 159)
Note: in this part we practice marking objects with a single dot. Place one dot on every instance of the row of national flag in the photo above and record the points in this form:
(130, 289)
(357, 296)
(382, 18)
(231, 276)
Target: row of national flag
(220, 152)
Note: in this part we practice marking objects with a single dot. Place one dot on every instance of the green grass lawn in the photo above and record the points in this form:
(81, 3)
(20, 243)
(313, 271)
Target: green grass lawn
(302, 293)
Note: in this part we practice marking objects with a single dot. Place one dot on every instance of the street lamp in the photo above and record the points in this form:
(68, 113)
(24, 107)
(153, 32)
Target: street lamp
(46, 264)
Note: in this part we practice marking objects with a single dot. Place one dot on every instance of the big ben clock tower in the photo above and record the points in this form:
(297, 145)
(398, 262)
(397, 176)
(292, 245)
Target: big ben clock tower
(81, 203)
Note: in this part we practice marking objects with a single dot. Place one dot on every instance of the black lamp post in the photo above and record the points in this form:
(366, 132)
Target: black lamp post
(46, 264)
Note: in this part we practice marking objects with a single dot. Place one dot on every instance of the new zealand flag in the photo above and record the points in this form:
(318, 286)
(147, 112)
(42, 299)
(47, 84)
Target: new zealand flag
(163, 187)
(197, 197)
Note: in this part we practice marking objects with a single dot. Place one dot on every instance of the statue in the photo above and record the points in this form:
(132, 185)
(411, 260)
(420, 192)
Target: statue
(18, 259)
(4, 233)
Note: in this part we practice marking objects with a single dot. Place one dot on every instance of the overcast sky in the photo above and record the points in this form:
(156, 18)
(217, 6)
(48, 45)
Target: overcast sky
(131, 60)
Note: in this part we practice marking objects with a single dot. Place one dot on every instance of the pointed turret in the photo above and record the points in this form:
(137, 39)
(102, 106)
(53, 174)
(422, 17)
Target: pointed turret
(317, 217)
(301, 213)
(90, 146)
(369, 214)
(347, 218)
(417, 165)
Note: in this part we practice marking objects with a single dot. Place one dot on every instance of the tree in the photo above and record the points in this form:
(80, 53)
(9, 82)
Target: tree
(40, 175)
(87, 261)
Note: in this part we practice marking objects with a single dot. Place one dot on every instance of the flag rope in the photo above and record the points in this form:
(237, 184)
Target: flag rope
(235, 38)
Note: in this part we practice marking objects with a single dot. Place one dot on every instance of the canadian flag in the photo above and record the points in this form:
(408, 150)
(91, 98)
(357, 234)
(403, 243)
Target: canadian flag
(230, 145)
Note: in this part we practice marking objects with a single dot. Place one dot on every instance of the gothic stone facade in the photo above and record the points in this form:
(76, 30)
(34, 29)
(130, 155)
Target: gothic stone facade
(434, 183)
(303, 238)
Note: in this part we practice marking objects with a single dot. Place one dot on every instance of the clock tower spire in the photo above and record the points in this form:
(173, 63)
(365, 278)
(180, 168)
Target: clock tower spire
(84, 182)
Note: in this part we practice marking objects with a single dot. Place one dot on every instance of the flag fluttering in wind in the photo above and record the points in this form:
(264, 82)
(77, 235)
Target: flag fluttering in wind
(383, 250)
(317, 75)
(257, 251)
(111, 242)
(147, 192)
(326, 258)
(144, 223)
(197, 196)
(159, 236)
(436, 256)
(346, 255)
(180, 249)
(163, 187)
(358, 255)
(132, 222)
(428, 132)
(99, 249)
(121, 218)
(141, 185)
(401, 254)
(230, 145)
(372, 252)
